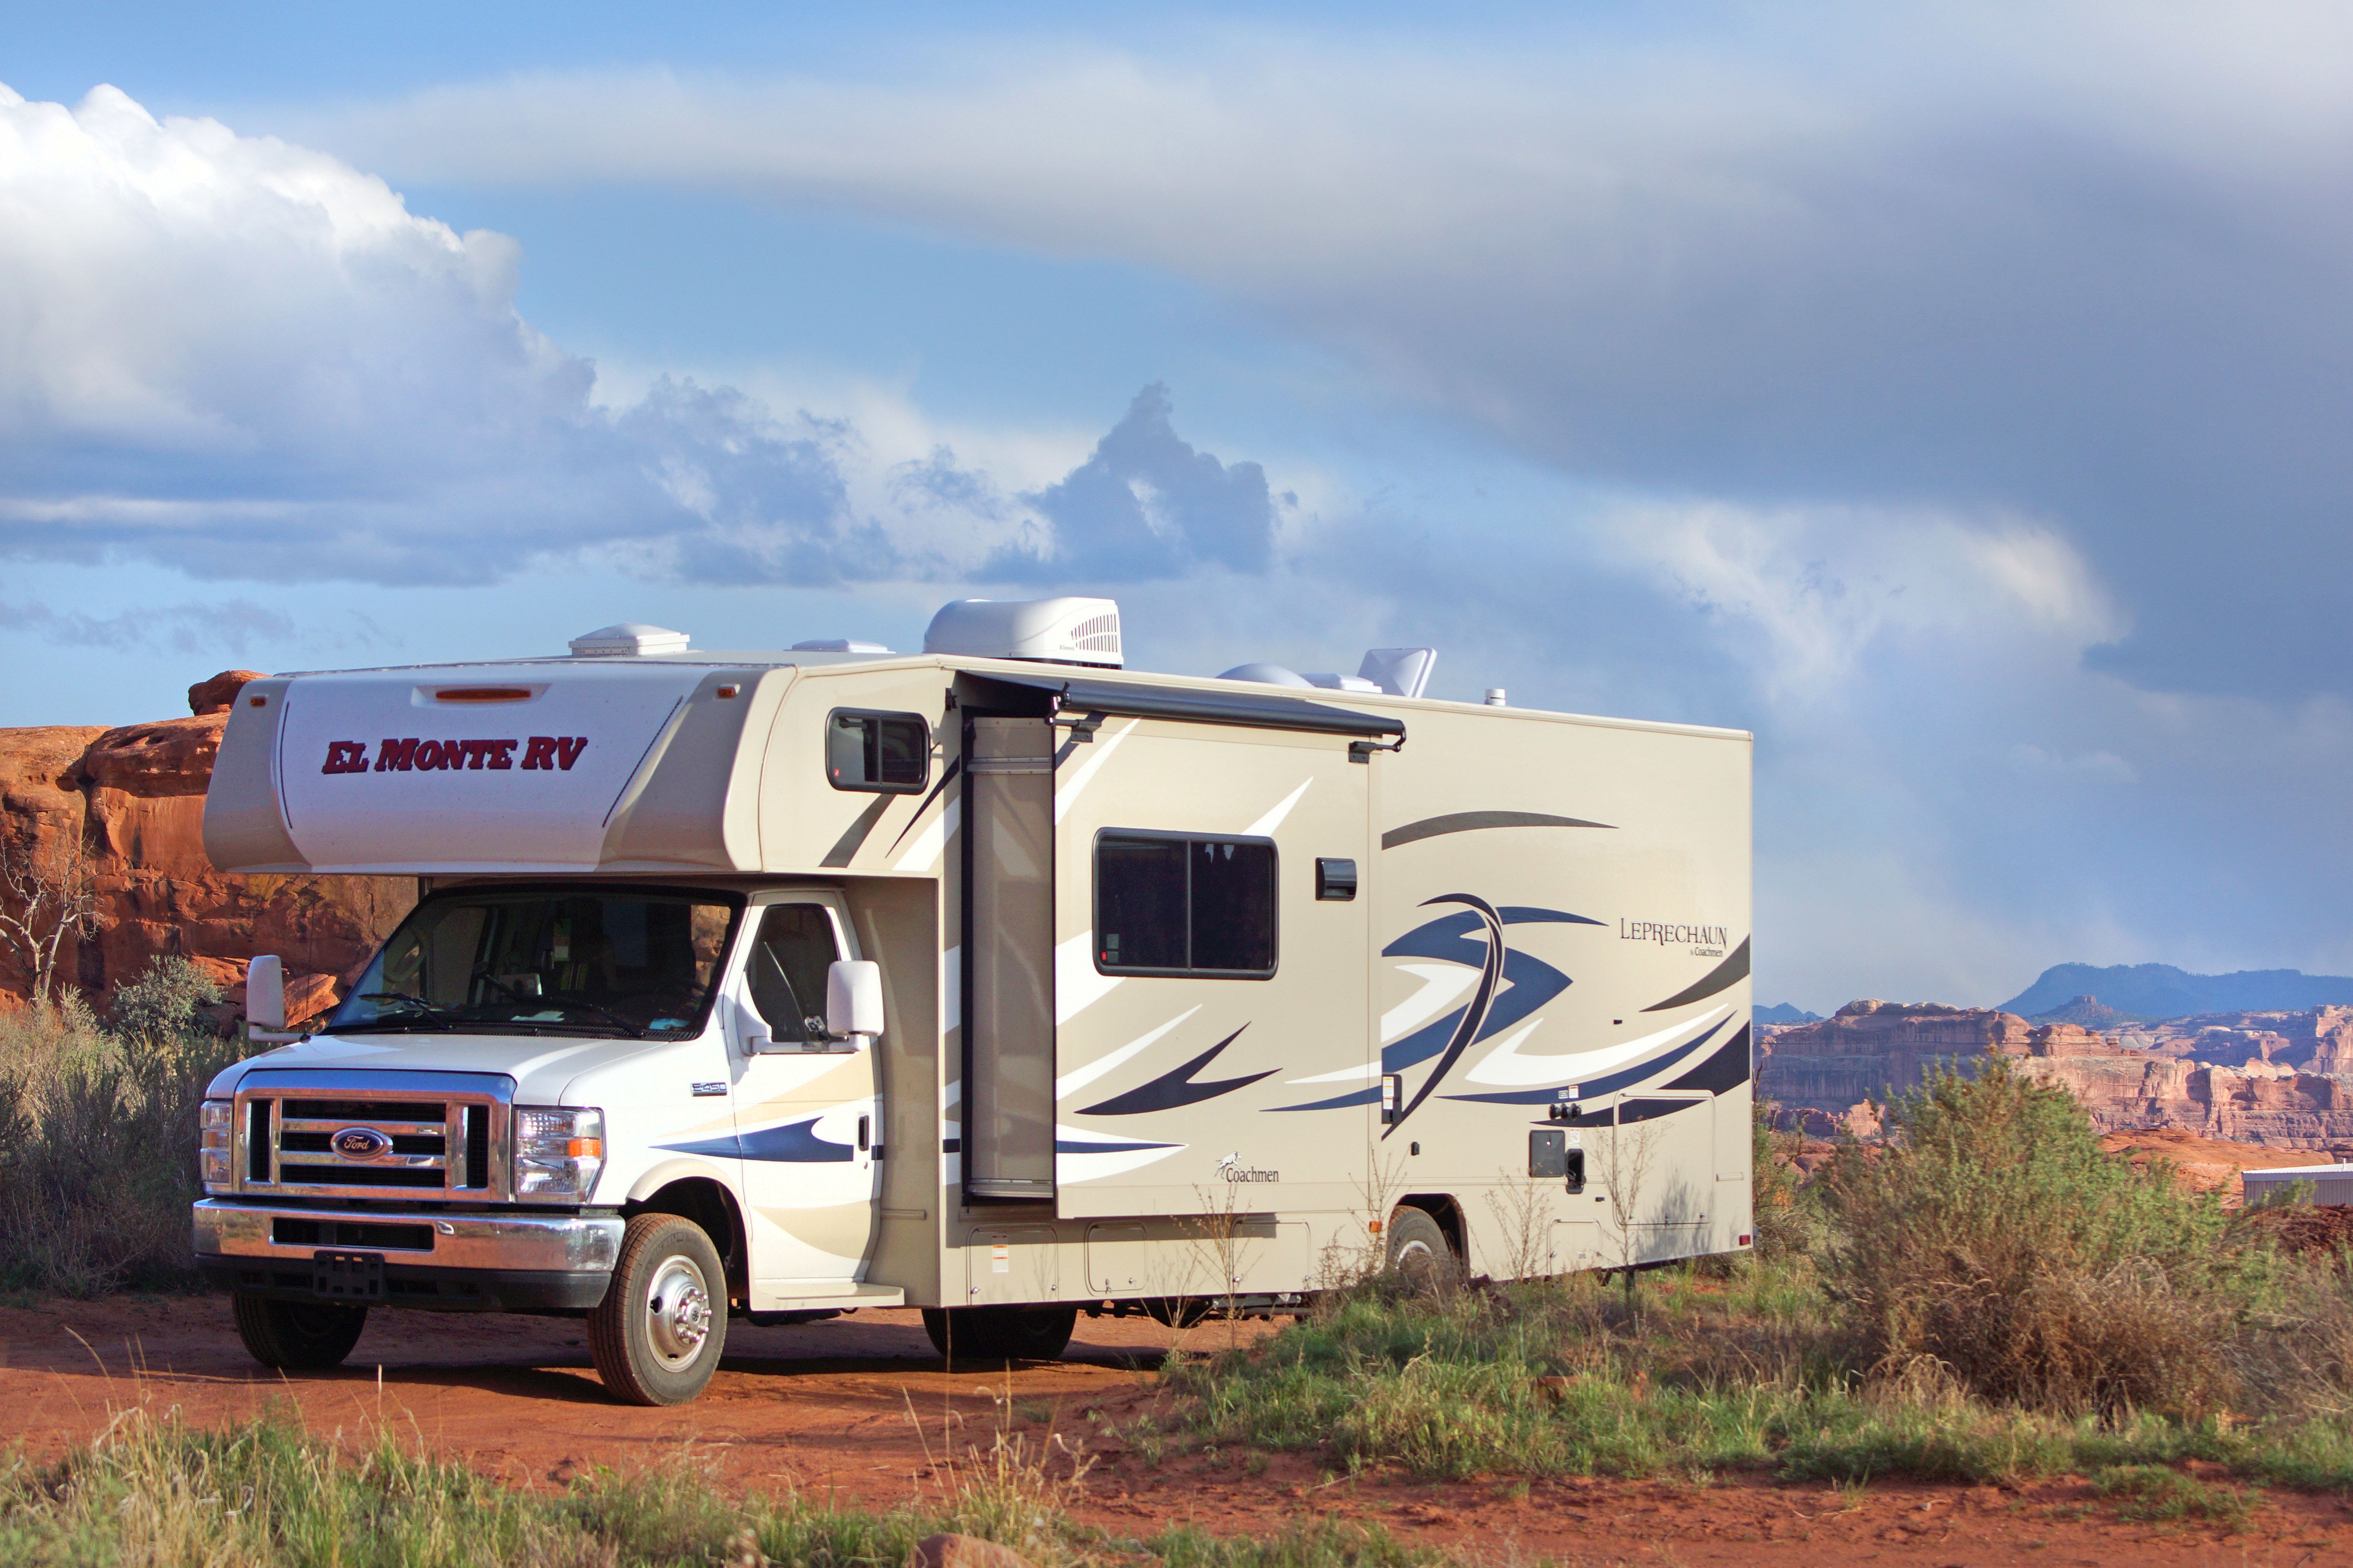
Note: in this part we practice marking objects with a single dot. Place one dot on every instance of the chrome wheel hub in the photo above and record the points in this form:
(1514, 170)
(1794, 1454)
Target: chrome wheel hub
(678, 1312)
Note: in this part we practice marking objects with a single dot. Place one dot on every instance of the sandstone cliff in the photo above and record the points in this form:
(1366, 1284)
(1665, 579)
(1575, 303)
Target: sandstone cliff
(2266, 1078)
(135, 798)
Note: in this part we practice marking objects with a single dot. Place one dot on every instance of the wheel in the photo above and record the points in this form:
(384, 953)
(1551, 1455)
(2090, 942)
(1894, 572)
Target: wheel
(1419, 1255)
(656, 1336)
(998, 1335)
(298, 1336)
(1176, 1311)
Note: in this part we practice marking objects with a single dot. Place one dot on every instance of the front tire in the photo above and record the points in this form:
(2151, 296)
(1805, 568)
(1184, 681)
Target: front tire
(656, 1336)
(993, 1335)
(297, 1336)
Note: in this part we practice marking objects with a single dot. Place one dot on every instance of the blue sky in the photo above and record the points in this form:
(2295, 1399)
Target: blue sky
(1952, 395)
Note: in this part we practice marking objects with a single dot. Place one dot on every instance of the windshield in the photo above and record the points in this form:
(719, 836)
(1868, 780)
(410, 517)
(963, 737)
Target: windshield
(484, 960)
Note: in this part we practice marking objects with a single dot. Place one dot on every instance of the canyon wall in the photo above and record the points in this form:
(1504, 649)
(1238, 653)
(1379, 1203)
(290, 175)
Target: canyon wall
(133, 798)
(2283, 1080)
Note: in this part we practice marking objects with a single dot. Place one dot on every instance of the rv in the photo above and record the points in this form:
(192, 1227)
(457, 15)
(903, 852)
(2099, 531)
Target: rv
(999, 981)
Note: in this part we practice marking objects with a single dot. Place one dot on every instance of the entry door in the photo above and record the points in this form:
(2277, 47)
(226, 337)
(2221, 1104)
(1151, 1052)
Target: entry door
(807, 1113)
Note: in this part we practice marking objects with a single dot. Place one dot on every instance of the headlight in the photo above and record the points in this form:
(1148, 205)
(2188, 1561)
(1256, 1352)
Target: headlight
(558, 1154)
(213, 1123)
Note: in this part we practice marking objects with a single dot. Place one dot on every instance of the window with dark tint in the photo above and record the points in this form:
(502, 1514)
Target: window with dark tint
(547, 960)
(1172, 905)
(885, 753)
(790, 953)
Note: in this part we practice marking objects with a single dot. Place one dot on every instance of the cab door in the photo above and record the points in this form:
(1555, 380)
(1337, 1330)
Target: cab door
(807, 1114)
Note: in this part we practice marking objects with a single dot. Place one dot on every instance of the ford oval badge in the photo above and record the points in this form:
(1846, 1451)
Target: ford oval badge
(360, 1144)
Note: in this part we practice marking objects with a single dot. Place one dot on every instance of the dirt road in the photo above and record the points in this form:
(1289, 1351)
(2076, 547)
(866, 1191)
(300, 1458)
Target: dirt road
(859, 1410)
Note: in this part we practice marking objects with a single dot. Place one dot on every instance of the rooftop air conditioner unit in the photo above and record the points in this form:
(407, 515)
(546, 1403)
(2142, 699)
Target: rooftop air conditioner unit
(1053, 631)
(629, 637)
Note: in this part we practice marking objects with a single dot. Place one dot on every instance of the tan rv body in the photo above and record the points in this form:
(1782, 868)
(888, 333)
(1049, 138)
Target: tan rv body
(1546, 954)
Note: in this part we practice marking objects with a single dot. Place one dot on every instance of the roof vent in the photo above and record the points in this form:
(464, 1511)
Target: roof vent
(1055, 631)
(1266, 674)
(837, 645)
(627, 638)
(1399, 671)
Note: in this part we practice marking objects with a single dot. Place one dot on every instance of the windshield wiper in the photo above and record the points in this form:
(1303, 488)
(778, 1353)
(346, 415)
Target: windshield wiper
(614, 1018)
(426, 1013)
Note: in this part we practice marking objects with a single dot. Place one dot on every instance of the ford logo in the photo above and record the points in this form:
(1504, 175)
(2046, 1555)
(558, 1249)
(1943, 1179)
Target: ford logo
(360, 1144)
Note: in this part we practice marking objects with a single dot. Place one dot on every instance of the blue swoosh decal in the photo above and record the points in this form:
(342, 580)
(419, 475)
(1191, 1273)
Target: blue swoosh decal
(795, 1142)
(1358, 1097)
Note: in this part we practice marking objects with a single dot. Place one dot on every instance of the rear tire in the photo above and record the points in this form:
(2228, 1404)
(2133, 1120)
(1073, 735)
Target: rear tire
(656, 1336)
(1419, 1255)
(297, 1336)
(1176, 1311)
(993, 1335)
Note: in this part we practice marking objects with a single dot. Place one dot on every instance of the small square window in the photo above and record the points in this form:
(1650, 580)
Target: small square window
(886, 754)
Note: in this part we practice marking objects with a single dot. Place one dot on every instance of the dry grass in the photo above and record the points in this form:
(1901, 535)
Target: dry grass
(98, 1150)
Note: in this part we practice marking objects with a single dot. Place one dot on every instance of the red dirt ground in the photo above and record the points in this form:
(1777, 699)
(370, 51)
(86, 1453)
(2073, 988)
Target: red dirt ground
(834, 1410)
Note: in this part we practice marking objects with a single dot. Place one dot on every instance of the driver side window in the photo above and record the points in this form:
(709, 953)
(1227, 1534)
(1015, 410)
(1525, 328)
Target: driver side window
(786, 968)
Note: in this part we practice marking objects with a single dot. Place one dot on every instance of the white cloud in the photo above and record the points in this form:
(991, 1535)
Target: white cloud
(248, 359)
(2080, 262)
(1819, 591)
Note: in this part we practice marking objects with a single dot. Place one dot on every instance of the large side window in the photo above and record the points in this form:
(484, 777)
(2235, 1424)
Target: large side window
(1172, 904)
(882, 753)
(790, 953)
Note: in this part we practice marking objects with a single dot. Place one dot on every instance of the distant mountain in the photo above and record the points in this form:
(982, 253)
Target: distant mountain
(2161, 991)
(1784, 1014)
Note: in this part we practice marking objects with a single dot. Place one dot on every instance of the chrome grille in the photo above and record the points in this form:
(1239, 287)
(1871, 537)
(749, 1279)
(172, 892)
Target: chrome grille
(432, 1135)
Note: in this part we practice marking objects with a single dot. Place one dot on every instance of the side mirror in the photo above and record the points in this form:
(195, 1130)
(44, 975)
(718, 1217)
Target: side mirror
(264, 1000)
(265, 993)
(853, 999)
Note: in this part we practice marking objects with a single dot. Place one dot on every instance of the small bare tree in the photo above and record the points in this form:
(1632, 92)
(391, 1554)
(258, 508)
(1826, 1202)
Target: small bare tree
(1626, 1169)
(1352, 1260)
(1521, 1207)
(49, 898)
(1221, 1251)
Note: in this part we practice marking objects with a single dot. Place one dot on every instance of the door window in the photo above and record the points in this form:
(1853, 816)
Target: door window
(791, 951)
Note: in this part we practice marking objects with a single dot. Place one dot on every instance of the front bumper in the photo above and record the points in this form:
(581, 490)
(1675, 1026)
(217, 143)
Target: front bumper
(442, 1261)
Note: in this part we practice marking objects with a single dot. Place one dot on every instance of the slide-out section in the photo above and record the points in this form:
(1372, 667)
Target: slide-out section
(1008, 1081)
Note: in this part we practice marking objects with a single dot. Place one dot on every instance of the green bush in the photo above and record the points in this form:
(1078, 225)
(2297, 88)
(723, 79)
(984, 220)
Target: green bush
(165, 1003)
(1992, 1238)
(98, 1152)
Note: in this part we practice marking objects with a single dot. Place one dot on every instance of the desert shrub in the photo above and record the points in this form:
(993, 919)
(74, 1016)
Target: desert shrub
(165, 1002)
(98, 1152)
(1787, 1217)
(2156, 1492)
(1993, 1237)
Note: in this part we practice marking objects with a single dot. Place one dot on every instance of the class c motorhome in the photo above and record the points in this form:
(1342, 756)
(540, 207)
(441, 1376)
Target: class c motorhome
(997, 980)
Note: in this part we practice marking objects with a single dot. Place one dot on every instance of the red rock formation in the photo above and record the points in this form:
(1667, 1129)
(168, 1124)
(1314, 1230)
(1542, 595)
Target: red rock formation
(2238, 1086)
(135, 797)
(207, 698)
(1868, 1049)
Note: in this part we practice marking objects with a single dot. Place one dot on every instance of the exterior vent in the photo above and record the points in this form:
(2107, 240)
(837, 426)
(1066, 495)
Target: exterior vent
(627, 638)
(1052, 631)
